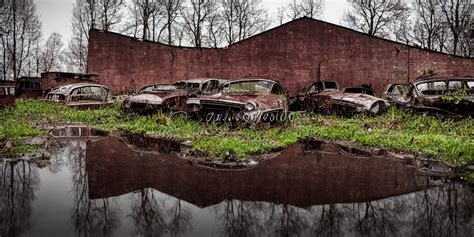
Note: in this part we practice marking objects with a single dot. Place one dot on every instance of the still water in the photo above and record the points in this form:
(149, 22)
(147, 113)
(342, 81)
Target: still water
(106, 188)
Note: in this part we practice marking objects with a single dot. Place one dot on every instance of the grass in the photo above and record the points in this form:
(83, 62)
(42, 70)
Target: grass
(444, 140)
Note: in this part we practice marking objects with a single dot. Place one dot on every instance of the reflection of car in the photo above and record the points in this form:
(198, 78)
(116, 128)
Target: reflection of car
(324, 97)
(169, 97)
(7, 93)
(82, 95)
(359, 90)
(248, 100)
(444, 95)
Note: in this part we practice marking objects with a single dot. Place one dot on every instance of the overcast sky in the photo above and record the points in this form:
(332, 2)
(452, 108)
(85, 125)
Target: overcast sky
(55, 15)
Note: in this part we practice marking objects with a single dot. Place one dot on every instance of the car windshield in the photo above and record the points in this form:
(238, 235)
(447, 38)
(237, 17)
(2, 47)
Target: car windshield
(330, 85)
(432, 87)
(248, 87)
(158, 88)
(399, 89)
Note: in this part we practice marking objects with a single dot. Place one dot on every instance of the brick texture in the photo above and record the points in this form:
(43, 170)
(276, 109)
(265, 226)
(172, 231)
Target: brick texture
(291, 54)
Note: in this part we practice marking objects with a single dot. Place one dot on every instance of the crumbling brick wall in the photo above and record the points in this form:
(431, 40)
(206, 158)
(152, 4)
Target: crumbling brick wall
(294, 54)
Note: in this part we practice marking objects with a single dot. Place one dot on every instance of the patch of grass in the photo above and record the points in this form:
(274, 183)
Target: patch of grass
(446, 140)
(25, 148)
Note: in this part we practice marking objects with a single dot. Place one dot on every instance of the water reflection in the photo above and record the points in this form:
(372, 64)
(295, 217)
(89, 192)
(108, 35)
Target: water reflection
(309, 190)
(90, 217)
(155, 216)
(18, 184)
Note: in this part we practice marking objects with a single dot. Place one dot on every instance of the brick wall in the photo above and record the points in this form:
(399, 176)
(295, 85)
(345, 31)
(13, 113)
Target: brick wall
(291, 54)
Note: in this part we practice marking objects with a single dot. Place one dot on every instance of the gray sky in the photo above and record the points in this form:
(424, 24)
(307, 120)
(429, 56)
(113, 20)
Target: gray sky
(55, 15)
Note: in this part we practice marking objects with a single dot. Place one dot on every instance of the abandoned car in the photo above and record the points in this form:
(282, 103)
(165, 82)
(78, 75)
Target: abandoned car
(81, 95)
(446, 96)
(324, 97)
(169, 97)
(7, 93)
(249, 101)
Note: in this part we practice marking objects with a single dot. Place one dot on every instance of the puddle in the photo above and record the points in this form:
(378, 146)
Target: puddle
(104, 188)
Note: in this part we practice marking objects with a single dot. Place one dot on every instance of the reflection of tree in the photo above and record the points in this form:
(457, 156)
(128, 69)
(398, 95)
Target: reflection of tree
(19, 181)
(286, 220)
(376, 218)
(328, 220)
(240, 218)
(154, 217)
(145, 212)
(444, 211)
(91, 217)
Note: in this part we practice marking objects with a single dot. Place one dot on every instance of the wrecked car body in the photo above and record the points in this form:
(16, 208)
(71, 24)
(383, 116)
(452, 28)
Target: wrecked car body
(248, 101)
(445, 96)
(7, 94)
(81, 96)
(169, 97)
(325, 97)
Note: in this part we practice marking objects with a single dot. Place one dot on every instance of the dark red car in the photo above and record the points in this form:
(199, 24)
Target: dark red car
(249, 100)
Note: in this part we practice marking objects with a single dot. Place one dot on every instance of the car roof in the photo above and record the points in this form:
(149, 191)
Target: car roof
(449, 78)
(199, 80)
(68, 88)
(250, 80)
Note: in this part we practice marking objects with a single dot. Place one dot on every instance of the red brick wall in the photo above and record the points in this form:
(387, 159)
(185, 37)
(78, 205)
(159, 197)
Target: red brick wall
(290, 54)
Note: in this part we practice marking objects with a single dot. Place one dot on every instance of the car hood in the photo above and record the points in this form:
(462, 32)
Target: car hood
(264, 101)
(146, 98)
(360, 99)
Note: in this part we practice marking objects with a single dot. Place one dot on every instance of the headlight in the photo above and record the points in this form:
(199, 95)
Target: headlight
(375, 108)
(251, 106)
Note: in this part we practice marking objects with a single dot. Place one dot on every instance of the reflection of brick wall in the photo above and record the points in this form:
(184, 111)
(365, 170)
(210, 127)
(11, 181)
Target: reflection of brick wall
(290, 54)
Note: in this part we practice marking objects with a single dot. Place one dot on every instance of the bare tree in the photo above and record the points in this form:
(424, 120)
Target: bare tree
(195, 17)
(83, 19)
(242, 19)
(429, 21)
(144, 10)
(215, 34)
(312, 8)
(280, 15)
(170, 10)
(309, 8)
(20, 31)
(294, 10)
(86, 15)
(109, 13)
(456, 15)
(375, 17)
(51, 55)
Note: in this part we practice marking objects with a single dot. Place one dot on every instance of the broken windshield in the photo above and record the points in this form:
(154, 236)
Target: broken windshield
(158, 88)
(248, 87)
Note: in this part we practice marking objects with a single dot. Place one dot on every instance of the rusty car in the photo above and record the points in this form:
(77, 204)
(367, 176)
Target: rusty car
(81, 96)
(247, 101)
(169, 97)
(7, 94)
(325, 97)
(448, 96)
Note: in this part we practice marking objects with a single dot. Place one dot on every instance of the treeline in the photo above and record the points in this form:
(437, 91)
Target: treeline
(441, 25)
